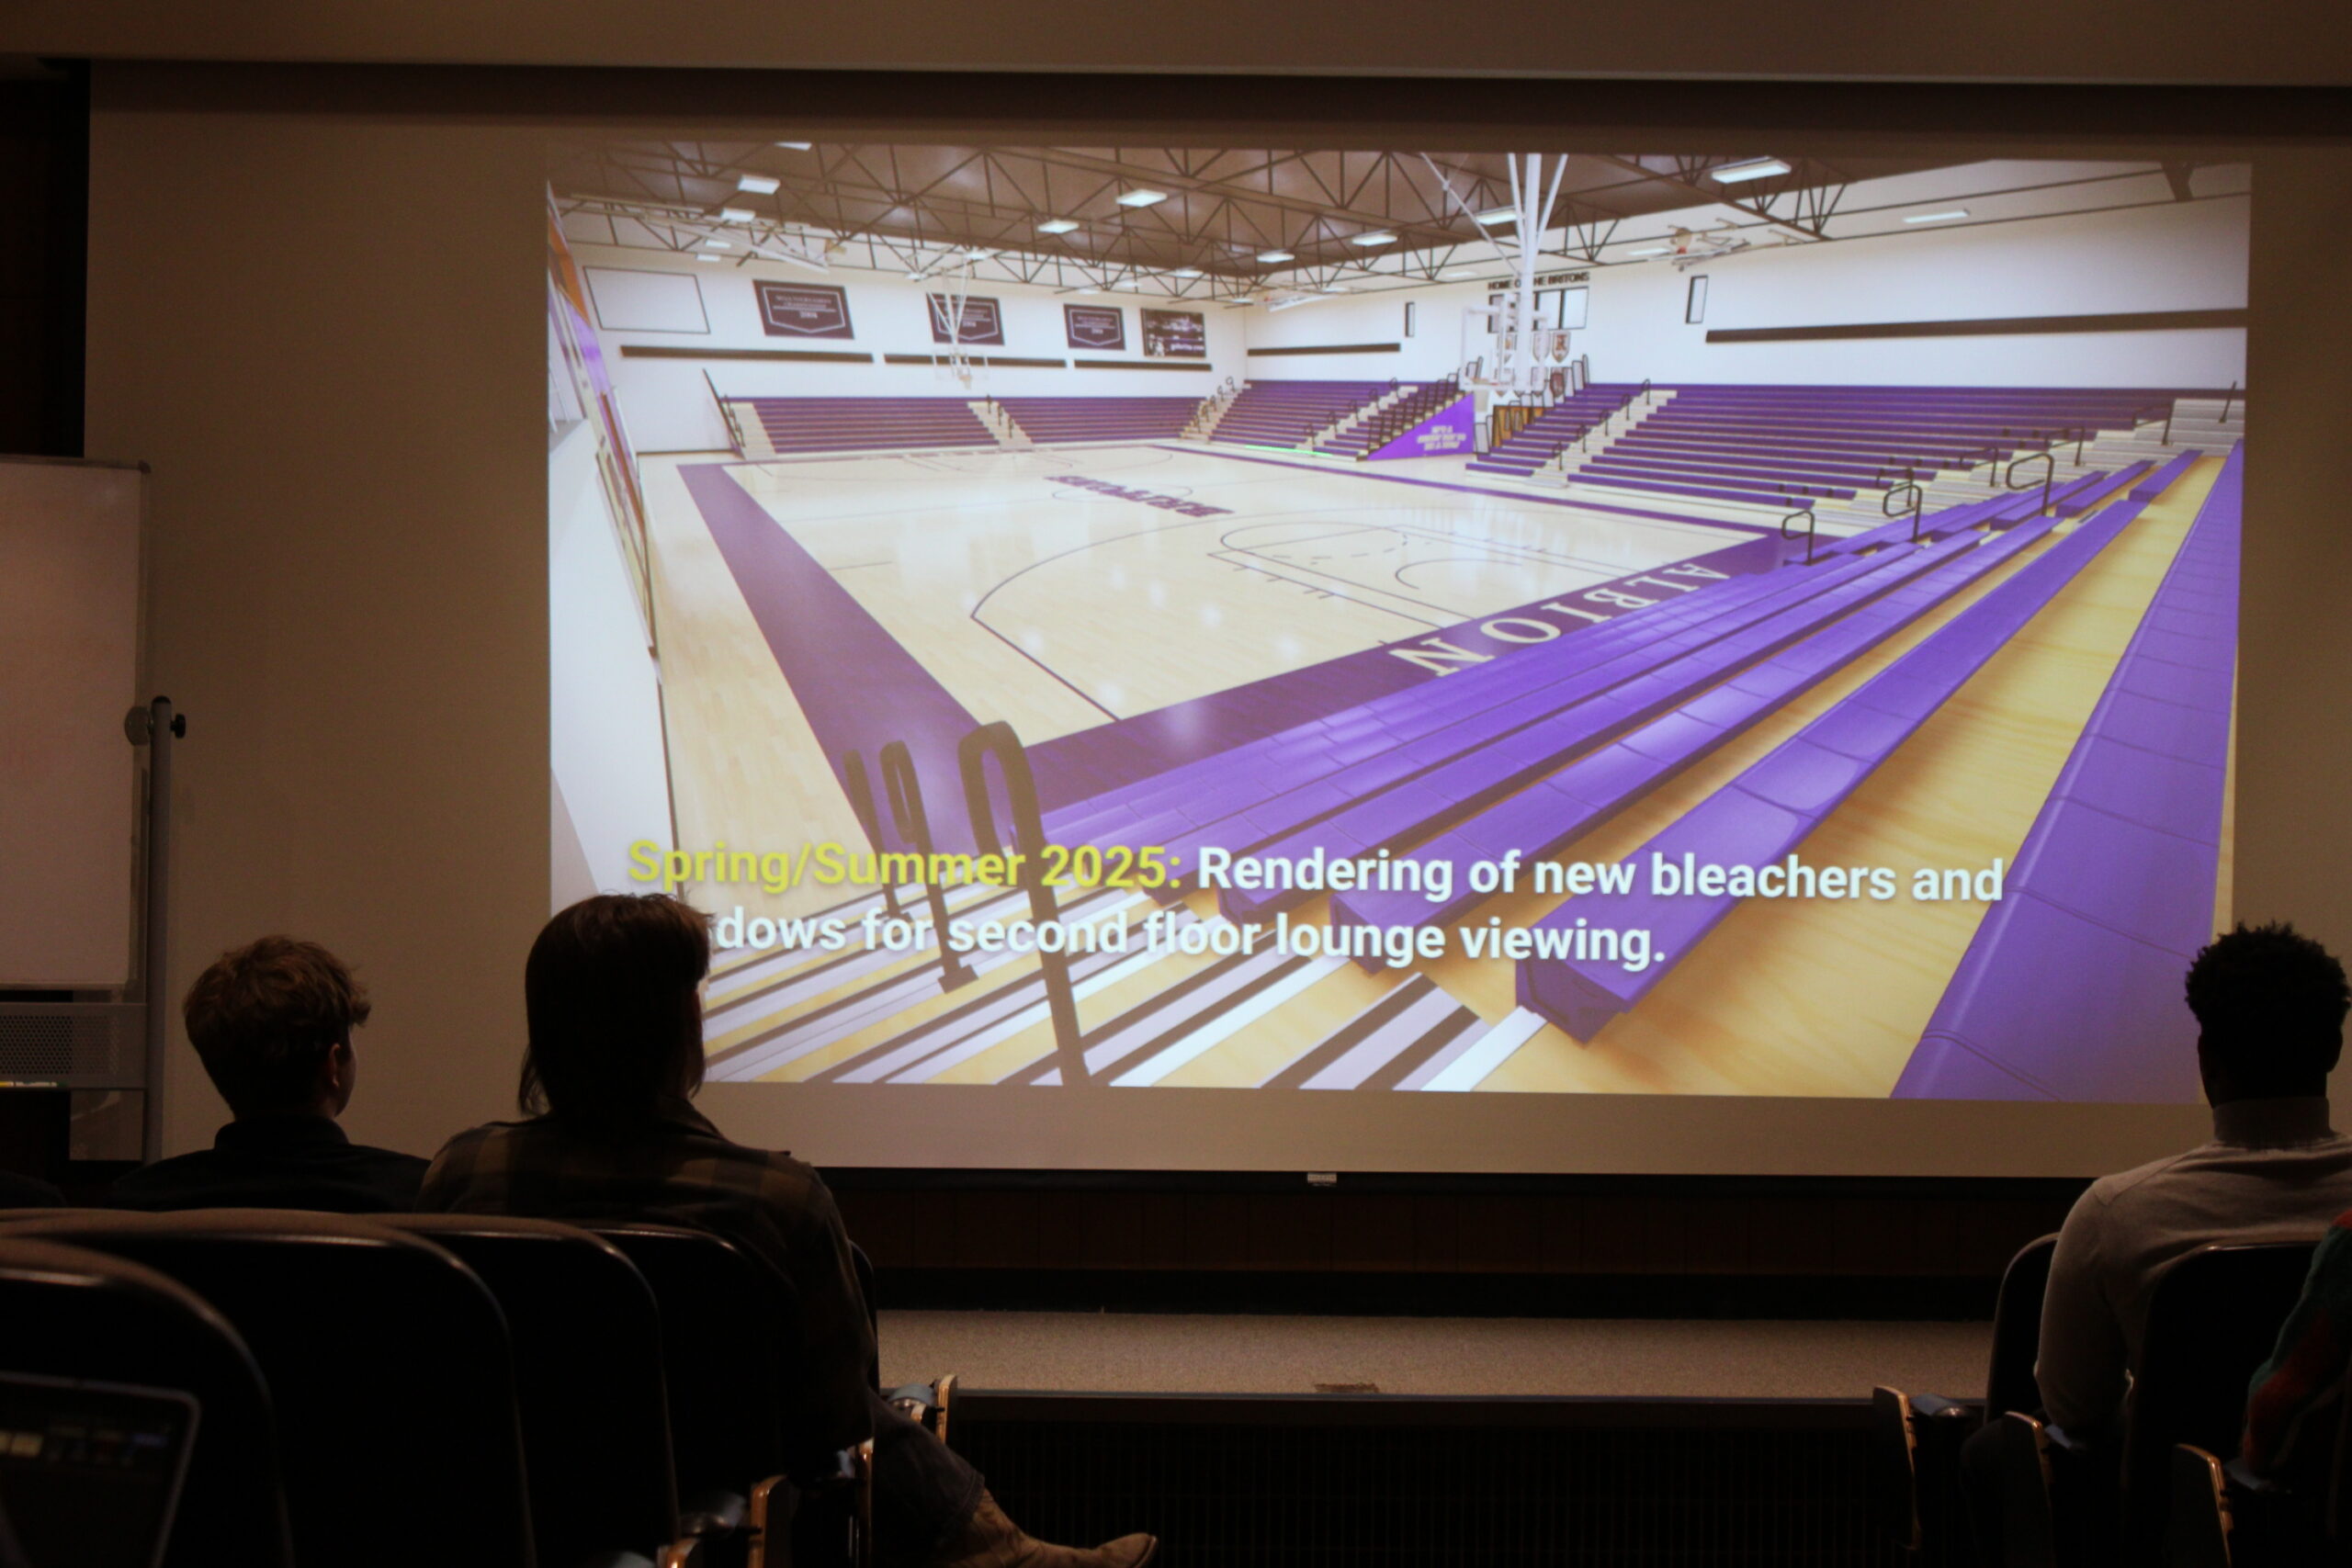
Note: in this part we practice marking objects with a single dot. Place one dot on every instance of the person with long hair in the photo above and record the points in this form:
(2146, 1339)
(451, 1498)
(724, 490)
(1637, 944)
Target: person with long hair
(612, 1003)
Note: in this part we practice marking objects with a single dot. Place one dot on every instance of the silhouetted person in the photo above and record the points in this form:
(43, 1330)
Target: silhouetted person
(613, 997)
(2270, 1007)
(272, 1023)
(27, 1192)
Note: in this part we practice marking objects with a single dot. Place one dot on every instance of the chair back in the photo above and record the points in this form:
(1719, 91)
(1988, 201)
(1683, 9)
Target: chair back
(2213, 1317)
(721, 1308)
(2017, 1331)
(588, 1379)
(386, 1361)
(67, 1312)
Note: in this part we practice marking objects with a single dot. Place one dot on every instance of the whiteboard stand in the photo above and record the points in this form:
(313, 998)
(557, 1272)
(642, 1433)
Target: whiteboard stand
(157, 727)
(81, 998)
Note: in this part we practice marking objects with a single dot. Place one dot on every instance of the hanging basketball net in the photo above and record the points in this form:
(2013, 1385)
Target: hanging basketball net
(953, 363)
(1507, 350)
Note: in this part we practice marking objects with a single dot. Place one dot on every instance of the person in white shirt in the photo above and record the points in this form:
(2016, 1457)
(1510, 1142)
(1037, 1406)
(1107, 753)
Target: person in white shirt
(2270, 1004)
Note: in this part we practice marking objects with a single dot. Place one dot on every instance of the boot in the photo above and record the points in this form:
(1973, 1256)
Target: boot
(992, 1540)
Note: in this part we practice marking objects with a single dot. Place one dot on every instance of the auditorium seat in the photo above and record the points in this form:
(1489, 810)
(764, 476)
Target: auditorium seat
(2221, 1514)
(588, 1381)
(2213, 1317)
(388, 1364)
(732, 1392)
(1915, 1491)
(72, 1311)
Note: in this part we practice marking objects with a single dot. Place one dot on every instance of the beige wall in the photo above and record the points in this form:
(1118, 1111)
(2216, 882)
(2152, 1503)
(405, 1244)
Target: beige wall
(322, 328)
(327, 340)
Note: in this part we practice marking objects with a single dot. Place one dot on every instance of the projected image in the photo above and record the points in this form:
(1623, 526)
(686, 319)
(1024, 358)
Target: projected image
(1582, 622)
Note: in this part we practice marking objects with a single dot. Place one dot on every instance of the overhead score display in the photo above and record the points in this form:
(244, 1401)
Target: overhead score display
(1557, 704)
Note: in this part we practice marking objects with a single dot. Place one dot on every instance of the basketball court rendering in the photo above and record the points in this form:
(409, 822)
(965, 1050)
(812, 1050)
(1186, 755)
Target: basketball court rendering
(1772, 633)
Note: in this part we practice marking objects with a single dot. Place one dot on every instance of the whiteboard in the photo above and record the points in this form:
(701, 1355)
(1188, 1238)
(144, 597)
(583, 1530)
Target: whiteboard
(69, 670)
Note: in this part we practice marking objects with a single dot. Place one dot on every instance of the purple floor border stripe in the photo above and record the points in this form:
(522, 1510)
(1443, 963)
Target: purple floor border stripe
(1757, 528)
(857, 688)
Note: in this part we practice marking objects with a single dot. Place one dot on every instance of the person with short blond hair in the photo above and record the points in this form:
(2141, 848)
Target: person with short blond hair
(272, 1023)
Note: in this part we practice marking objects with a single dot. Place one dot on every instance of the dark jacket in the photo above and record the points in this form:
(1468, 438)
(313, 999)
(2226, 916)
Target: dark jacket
(279, 1162)
(24, 1192)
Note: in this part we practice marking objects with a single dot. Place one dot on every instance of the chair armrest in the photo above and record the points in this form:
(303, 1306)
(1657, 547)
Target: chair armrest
(2197, 1526)
(712, 1513)
(2242, 1477)
(1936, 1407)
(847, 1486)
(2029, 1524)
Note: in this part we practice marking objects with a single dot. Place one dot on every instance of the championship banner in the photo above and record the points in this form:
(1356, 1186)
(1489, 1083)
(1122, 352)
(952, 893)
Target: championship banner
(1450, 429)
(982, 320)
(803, 310)
(1097, 327)
(1175, 334)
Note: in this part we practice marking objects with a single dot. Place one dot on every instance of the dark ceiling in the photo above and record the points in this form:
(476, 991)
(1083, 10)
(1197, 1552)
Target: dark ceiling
(1224, 206)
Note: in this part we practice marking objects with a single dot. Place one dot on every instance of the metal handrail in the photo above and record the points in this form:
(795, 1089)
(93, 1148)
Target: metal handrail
(1029, 838)
(1918, 503)
(2167, 408)
(904, 787)
(869, 821)
(2048, 476)
(726, 416)
(1811, 522)
(2230, 397)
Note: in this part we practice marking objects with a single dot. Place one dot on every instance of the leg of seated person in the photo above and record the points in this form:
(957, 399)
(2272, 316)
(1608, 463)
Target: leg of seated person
(932, 1510)
(1980, 1487)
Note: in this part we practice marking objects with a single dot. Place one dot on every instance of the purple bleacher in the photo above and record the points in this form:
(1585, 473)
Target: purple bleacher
(2001, 509)
(1777, 445)
(2071, 988)
(1288, 413)
(1050, 420)
(1479, 766)
(1570, 801)
(1386, 740)
(1400, 716)
(1542, 438)
(1368, 435)
(868, 424)
(2156, 484)
(1769, 809)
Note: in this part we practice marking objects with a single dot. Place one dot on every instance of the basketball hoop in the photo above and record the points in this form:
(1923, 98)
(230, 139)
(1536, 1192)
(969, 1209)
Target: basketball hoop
(955, 290)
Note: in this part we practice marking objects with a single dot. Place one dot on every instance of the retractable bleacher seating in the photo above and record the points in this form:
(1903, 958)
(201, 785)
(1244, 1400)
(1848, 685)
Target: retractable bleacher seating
(1786, 446)
(1549, 434)
(1051, 420)
(1288, 413)
(1369, 434)
(795, 426)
